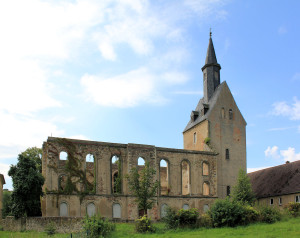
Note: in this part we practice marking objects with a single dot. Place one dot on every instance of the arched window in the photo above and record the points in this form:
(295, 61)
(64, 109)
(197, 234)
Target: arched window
(63, 209)
(206, 189)
(164, 177)
(116, 174)
(186, 207)
(205, 169)
(227, 154)
(116, 210)
(62, 181)
(185, 177)
(230, 114)
(205, 208)
(63, 155)
(140, 164)
(90, 171)
(222, 113)
(91, 209)
(163, 210)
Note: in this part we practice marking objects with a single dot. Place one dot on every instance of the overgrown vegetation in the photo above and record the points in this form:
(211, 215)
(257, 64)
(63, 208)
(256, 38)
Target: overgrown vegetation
(7, 204)
(144, 225)
(97, 226)
(269, 214)
(50, 229)
(143, 187)
(181, 218)
(243, 192)
(207, 140)
(27, 183)
(293, 208)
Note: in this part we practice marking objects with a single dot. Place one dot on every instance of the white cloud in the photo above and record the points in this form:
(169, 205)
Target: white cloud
(79, 137)
(272, 152)
(250, 170)
(290, 154)
(281, 128)
(284, 109)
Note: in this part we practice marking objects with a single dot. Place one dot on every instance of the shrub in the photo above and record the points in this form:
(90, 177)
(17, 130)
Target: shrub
(205, 221)
(1, 228)
(97, 226)
(50, 229)
(207, 140)
(251, 215)
(227, 213)
(293, 208)
(269, 214)
(181, 218)
(144, 225)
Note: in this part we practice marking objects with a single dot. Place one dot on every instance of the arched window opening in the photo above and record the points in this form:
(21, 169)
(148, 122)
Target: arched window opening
(90, 172)
(186, 207)
(222, 113)
(116, 211)
(63, 155)
(230, 114)
(205, 208)
(116, 174)
(164, 177)
(227, 154)
(140, 164)
(91, 209)
(163, 210)
(62, 181)
(205, 188)
(63, 209)
(205, 169)
(185, 177)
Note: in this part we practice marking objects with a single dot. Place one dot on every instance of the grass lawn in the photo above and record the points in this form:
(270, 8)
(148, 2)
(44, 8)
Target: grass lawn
(288, 228)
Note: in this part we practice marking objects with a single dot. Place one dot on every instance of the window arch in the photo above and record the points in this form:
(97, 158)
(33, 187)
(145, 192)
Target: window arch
(185, 207)
(116, 211)
(223, 113)
(185, 177)
(62, 181)
(164, 177)
(227, 154)
(63, 209)
(205, 169)
(63, 155)
(206, 188)
(230, 114)
(205, 208)
(116, 181)
(90, 172)
(90, 209)
(163, 210)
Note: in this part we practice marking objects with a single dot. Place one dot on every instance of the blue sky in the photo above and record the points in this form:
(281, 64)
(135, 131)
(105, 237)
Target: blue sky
(129, 71)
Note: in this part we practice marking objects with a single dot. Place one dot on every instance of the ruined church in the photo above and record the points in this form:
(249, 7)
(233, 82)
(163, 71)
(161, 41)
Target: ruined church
(87, 177)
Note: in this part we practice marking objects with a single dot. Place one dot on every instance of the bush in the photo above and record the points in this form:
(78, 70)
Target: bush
(251, 215)
(269, 214)
(205, 221)
(181, 218)
(227, 213)
(50, 229)
(97, 226)
(293, 209)
(144, 225)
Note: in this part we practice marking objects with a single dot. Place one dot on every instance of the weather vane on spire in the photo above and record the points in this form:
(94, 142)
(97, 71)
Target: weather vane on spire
(210, 32)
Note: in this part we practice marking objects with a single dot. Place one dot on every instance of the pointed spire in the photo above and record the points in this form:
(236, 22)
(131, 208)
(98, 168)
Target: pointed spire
(210, 55)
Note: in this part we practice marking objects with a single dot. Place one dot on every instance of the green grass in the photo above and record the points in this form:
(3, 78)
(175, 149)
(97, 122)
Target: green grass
(288, 228)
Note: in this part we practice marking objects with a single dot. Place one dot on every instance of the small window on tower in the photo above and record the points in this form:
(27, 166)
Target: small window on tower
(230, 114)
(195, 137)
(227, 154)
(271, 201)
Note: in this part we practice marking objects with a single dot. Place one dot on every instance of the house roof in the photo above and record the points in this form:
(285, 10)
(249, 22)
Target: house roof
(200, 107)
(275, 181)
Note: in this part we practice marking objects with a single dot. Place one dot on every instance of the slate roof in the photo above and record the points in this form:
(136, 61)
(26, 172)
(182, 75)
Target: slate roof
(280, 180)
(200, 107)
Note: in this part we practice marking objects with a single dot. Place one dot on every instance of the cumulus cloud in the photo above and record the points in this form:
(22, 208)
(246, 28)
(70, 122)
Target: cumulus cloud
(272, 152)
(290, 155)
(292, 111)
(250, 170)
(285, 155)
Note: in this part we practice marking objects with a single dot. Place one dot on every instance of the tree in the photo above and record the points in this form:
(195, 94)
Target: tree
(243, 192)
(143, 186)
(27, 183)
(35, 154)
(6, 210)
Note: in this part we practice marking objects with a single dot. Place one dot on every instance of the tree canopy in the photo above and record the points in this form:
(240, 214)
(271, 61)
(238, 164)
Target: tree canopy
(143, 187)
(27, 182)
(243, 192)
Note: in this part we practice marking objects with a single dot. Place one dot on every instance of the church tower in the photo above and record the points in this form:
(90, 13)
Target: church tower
(218, 125)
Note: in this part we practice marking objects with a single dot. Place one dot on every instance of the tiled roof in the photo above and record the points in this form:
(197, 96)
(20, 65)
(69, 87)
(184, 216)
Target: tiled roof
(276, 181)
